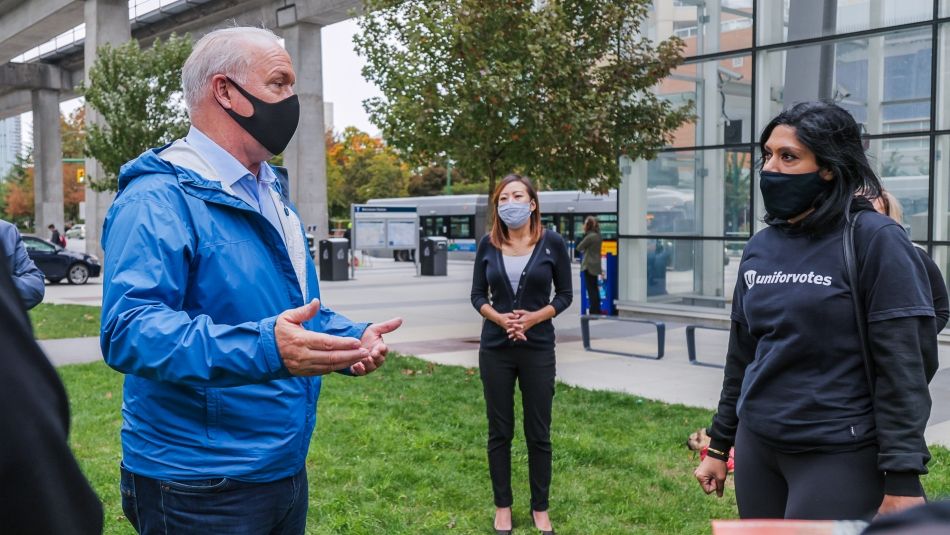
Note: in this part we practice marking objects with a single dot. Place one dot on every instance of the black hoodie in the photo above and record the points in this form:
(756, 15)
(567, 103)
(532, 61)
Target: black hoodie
(794, 370)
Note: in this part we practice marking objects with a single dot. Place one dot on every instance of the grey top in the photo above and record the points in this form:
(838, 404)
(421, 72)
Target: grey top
(514, 267)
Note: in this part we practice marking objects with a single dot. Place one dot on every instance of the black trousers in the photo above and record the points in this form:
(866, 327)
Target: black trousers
(534, 371)
(593, 293)
(807, 486)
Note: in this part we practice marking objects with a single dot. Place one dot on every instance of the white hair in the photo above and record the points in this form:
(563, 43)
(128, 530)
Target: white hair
(223, 51)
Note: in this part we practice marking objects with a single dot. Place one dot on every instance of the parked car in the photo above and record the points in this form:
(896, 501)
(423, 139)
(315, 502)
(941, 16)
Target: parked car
(76, 232)
(58, 263)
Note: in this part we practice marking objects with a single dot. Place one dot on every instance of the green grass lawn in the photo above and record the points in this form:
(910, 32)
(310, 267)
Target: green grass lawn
(65, 321)
(403, 451)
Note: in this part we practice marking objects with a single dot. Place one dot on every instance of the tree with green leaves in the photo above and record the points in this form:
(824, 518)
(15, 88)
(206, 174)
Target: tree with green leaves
(556, 89)
(137, 92)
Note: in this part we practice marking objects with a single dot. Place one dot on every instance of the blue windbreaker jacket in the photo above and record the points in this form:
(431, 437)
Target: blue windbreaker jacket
(194, 281)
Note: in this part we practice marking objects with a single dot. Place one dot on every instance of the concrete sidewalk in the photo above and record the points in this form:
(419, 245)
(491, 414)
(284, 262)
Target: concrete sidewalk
(441, 326)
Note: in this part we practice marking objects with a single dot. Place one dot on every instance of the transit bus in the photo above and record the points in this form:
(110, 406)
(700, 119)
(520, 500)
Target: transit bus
(463, 219)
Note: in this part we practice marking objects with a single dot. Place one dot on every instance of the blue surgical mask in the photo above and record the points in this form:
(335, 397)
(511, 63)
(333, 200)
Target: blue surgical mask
(515, 214)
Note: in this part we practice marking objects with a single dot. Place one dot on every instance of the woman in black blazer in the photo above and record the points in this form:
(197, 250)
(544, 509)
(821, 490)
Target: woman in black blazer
(515, 267)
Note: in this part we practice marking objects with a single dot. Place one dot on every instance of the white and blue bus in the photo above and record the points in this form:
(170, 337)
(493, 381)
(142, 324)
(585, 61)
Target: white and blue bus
(463, 218)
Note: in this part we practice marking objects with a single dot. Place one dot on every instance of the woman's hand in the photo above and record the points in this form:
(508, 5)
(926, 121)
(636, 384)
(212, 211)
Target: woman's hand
(894, 504)
(711, 475)
(523, 323)
(506, 320)
(528, 319)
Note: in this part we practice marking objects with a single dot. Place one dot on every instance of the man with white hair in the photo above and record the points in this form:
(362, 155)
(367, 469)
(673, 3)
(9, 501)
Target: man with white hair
(210, 308)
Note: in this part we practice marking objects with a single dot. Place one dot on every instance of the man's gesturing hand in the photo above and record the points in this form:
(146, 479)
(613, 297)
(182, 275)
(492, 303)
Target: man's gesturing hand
(308, 353)
(373, 341)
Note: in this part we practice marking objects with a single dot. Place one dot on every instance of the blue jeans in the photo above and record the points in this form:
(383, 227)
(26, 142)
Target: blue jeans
(213, 506)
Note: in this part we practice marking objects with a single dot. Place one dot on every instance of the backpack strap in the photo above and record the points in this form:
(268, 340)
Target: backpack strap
(851, 268)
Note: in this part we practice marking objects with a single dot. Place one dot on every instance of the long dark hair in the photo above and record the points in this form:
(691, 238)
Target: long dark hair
(499, 230)
(833, 136)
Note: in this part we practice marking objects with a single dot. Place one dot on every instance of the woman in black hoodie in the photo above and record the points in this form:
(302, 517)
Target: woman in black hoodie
(817, 434)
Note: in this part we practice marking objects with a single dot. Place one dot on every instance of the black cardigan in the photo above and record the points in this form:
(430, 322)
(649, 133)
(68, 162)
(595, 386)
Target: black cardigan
(549, 263)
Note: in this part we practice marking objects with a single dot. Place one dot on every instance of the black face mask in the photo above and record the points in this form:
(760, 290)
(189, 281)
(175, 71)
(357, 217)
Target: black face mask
(786, 196)
(272, 124)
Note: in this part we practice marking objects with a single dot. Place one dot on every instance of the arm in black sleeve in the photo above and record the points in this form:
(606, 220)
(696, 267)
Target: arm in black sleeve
(938, 290)
(43, 489)
(902, 399)
(563, 285)
(741, 352)
(479, 277)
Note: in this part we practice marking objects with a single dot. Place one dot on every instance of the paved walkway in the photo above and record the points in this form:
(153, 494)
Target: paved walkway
(441, 326)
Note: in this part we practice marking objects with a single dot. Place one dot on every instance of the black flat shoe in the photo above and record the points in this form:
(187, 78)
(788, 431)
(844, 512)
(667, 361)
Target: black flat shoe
(502, 531)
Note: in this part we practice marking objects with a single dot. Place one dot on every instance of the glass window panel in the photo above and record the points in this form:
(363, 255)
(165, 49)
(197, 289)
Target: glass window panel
(943, 77)
(608, 226)
(696, 24)
(703, 192)
(461, 226)
(721, 95)
(941, 194)
(945, 8)
(787, 21)
(892, 95)
(904, 167)
(680, 272)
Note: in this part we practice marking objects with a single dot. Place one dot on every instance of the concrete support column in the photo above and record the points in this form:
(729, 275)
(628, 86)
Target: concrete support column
(709, 193)
(803, 81)
(632, 207)
(107, 22)
(305, 157)
(48, 161)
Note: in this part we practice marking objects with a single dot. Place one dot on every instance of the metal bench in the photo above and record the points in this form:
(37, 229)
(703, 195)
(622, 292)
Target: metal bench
(691, 345)
(660, 335)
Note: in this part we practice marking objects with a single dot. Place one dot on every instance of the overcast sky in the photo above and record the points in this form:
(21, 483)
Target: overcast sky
(343, 85)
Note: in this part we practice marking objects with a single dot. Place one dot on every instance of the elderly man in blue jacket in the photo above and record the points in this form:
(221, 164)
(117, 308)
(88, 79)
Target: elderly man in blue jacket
(27, 278)
(210, 308)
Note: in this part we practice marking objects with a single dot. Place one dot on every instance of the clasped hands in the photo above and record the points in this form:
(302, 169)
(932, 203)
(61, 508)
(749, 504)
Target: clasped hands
(517, 323)
(306, 353)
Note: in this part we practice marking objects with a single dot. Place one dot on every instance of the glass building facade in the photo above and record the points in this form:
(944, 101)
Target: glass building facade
(685, 216)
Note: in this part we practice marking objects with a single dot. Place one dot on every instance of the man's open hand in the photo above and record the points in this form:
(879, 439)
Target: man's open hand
(305, 352)
(373, 341)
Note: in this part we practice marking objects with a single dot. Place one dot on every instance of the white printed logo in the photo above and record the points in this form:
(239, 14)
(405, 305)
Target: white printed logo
(750, 278)
(778, 277)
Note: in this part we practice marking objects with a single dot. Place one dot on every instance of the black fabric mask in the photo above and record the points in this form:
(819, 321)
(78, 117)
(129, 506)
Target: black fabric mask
(272, 124)
(786, 196)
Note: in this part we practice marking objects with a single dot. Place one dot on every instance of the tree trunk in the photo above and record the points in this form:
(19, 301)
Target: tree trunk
(491, 178)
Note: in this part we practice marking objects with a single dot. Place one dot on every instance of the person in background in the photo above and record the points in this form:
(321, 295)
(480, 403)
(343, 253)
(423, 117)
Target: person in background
(516, 265)
(589, 247)
(27, 278)
(42, 489)
(211, 308)
(814, 439)
(888, 205)
(55, 236)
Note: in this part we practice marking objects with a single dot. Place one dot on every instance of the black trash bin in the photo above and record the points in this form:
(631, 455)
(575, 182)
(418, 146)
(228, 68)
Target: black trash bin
(333, 259)
(435, 256)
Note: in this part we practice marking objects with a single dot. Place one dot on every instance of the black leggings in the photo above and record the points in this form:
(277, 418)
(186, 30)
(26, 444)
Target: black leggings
(534, 371)
(807, 486)
(593, 293)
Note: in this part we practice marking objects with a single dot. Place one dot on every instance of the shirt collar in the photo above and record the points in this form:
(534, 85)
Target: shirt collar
(229, 169)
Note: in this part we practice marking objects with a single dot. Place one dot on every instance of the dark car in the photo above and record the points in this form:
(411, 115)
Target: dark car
(58, 263)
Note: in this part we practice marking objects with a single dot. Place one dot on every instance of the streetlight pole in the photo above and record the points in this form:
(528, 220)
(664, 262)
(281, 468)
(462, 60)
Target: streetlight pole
(448, 177)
